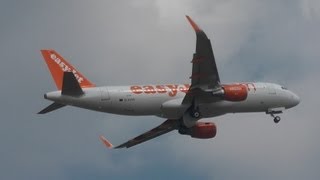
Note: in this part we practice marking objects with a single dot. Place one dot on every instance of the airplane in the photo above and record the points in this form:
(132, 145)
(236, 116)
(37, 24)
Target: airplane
(183, 105)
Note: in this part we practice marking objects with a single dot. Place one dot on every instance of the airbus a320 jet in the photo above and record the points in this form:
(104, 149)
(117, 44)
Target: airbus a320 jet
(183, 105)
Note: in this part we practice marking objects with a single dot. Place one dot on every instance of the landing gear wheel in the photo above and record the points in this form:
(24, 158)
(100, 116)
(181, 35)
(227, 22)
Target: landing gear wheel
(195, 114)
(276, 119)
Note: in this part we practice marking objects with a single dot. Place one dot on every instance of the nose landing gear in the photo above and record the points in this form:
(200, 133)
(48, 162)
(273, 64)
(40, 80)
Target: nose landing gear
(276, 119)
(274, 111)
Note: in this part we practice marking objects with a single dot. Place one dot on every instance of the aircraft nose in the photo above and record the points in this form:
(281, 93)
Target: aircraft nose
(296, 99)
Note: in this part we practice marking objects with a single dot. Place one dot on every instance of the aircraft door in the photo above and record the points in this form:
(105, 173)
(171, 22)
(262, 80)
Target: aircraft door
(105, 100)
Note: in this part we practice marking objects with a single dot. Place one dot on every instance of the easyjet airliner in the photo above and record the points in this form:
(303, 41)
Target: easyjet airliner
(183, 105)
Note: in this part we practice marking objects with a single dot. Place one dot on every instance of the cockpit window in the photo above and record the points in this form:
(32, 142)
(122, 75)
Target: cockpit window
(284, 88)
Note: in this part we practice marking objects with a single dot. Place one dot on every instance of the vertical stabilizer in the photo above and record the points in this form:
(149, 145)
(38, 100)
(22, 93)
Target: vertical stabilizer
(58, 65)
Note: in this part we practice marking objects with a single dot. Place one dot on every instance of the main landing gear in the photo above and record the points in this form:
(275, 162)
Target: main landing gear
(195, 113)
(276, 119)
(194, 110)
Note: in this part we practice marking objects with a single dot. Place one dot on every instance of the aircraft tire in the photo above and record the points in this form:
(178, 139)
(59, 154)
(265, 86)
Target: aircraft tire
(195, 114)
(276, 119)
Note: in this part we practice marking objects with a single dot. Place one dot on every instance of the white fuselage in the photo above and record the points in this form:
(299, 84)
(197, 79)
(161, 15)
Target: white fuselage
(166, 100)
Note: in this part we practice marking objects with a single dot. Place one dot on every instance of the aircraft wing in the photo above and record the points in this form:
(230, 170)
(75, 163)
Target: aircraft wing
(165, 127)
(205, 77)
(204, 69)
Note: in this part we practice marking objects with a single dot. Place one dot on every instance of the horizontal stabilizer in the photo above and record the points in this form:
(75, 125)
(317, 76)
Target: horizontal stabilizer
(70, 85)
(51, 107)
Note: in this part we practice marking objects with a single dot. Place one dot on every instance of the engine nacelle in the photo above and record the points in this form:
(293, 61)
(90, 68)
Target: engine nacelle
(235, 92)
(201, 130)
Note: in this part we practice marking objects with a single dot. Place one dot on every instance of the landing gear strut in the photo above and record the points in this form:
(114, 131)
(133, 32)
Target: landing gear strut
(194, 110)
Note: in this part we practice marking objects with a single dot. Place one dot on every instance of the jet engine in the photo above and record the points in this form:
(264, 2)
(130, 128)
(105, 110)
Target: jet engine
(201, 130)
(233, 92)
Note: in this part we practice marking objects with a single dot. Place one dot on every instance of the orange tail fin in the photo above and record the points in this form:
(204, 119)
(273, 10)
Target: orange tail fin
(58, 65)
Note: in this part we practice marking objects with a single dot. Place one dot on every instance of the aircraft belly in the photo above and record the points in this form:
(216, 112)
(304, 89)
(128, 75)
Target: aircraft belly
(252, 104)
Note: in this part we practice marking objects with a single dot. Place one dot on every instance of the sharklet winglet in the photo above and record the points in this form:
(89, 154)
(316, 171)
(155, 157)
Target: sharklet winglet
(105, 142)
(193, 24)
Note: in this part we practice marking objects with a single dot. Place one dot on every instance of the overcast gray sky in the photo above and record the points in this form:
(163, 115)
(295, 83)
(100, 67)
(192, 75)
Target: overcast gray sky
(150, 41)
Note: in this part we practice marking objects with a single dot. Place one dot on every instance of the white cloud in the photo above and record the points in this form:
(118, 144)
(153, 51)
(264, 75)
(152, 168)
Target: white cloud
(311, 9)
